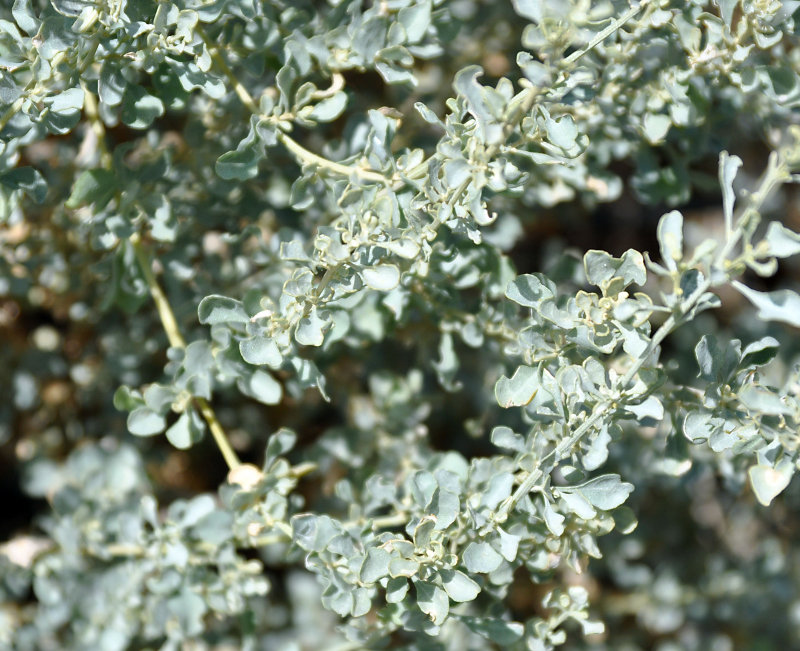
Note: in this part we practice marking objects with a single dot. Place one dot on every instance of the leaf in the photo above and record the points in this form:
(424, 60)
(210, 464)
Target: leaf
(163, 224)
(313, 532)
(655, 127)
(497, 631)
(382, 277)
(54, 36)
(726, 10)
(670, 239)
(537, 72)
(66, 103)
(329, 108)
(506, 438)
(188, 610)
(625, 520)
(186, 431)
(466, 84)
(760, 399)
(403, 567)
(432, 601)
(782, 242)
(605, 492)
(339, 599)
(445, 507)
(601, 267)
(578, 504)
(139, 108)
(499, 489)
(728, 166)
(261, 386)
(481, 557)
(507, 544)
(93, 187)
(239, 165)
(308, 375)
(405, 248)
(261, 350)
(278, 444)
(427, 114)
(459, 586)
(529, 290)
(423, 532)
(72, 8)
(293, 250)
(215, 309)
(553, 520)
(769, 482)
(111, 85)
(519, 389)
(143, 421)
(759, 353)
(597, 453)
(782, 305)
(531, 9)
(190, 77)
(716, 363)
(634, 343)
(649, 411)
(563, 133)
(700, 426)
(375, 565)
(416, 19)
(27, 179)
(159, 397)
(25, 16)
(126, 399)
(396, 589)
(311, 329)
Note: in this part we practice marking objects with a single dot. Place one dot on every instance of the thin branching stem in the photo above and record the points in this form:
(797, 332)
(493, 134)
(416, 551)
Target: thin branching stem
(176, 340)
(301, 153)
(775, 174)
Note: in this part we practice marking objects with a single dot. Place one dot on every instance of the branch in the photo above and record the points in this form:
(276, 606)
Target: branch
(300, 152)
(176, 340)
(775, 174)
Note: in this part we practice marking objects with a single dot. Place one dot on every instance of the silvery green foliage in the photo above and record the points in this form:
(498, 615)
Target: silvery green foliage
(315, 246)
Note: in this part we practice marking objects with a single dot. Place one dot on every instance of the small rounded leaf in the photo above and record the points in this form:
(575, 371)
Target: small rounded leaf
(143, 421)
(433, 601)
(221, 309)
(376, 565)
(263, 387)
(519, 389)
(459, 586)
(382, 277)
(261, 350)
(767, 482)
(481, 558)
(186, 431)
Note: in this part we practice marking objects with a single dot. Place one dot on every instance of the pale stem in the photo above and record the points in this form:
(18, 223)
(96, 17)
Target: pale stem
(218, 433)
(238, 87)
(292, 145)
(339, 168)
(90, 105)
(11, 112)
(176, 340)
(608, 31)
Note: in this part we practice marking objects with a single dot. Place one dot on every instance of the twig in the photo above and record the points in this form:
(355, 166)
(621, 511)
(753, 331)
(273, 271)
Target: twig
(176, 340)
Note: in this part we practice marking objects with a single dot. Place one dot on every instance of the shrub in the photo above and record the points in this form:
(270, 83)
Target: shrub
(309, 241)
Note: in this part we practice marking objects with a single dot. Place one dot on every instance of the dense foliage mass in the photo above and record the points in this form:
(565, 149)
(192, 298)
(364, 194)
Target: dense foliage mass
(299, 354)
